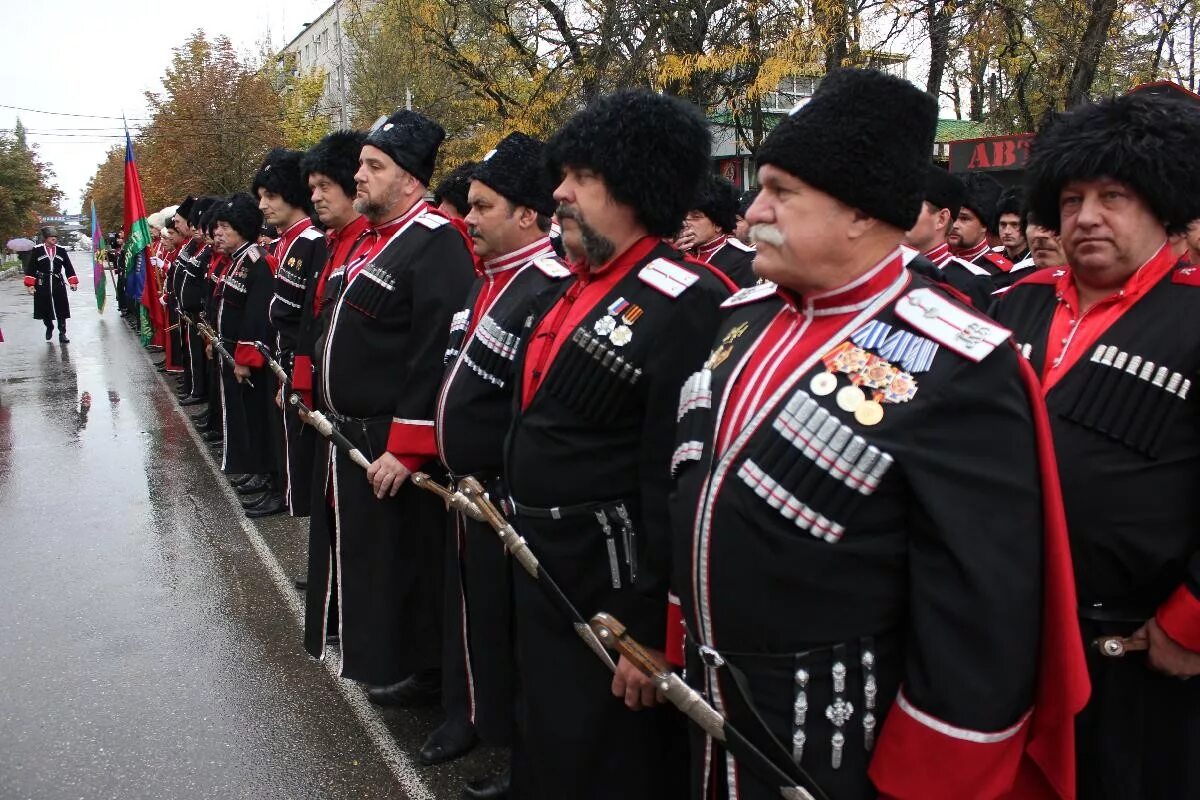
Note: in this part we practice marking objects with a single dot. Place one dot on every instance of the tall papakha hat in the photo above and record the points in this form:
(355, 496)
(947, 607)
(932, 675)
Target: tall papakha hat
(280, 174)
(241, 212)
(983, 193)
(652, 150)
(411, 140)
(514, 170)
(207, 220)
(746, 200)
(1146, 142)
(199, 206)
(943, 190)
(184, 209)
(453, 187)
(717, 199)
(335, 157)
(864, 138)
(47, 231)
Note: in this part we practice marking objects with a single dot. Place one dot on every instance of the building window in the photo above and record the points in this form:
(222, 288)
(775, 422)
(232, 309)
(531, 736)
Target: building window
(791, 90)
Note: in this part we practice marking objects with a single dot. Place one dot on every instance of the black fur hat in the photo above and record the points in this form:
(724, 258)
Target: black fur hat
(411, 140)
(280, 174)
(453, 187)
(335, 157)
(207, 220)
(241, 212)
(943, 190)
(269, 231)
(185, 207)
(514, 170)
(717, 199)
(199, 206)
(864, 138)
(982, 194)
(652, 150)
(746, 200)
(1145, 141)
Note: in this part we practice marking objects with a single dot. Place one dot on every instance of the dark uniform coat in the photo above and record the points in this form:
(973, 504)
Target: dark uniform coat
(49, 277)
(875, 576)
(241, 320)
(1127, 432)
(734, 259)
(379, 365)
(474, 411)
(300, 255)
(586, 462)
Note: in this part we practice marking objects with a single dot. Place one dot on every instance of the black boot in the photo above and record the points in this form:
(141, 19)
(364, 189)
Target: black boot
(271, 503)
(62, 333)
(49, 331)
(453, 739)
(494, 788)
(253, 486)
(422, 688)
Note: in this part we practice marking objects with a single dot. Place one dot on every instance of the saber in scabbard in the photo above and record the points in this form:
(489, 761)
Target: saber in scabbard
(215, 339)
(517, 545)
(611, 632)
(275, 366)
(328, 430)
(452, 499)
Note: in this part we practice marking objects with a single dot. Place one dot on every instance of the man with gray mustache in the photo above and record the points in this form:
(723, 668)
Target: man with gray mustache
(847, 605)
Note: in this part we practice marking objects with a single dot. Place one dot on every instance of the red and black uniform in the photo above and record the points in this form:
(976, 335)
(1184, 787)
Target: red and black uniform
(974, 272)
(379, 357)
(217, 264)
(586, 463)
(246, 288)
(1118, 380)
(733, 258)
(300, 255)
(474, 411)
(855, 569)
(188, 287)
(49, 270)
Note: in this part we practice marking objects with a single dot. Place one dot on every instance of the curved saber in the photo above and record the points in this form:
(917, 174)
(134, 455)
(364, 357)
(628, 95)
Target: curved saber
(327, 429)
(454, 500)
(519, 548)
(610, 631)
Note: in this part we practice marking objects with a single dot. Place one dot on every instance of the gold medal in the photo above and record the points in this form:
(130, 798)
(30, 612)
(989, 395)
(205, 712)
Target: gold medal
(869, 412)
(823, 384)
(850, 398)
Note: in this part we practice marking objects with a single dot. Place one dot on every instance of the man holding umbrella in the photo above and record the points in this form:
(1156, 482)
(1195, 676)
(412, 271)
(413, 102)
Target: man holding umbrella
(44, 272)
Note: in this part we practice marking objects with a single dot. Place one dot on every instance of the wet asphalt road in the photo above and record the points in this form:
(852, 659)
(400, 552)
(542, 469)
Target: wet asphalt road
(149, 636)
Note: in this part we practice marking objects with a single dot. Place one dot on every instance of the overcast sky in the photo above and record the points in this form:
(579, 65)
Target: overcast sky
(98, 58)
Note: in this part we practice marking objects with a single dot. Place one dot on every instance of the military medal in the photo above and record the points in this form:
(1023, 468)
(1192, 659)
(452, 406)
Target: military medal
(604, 326)
(621, 335)
(869, 412)
(850, 398)
(823, 384)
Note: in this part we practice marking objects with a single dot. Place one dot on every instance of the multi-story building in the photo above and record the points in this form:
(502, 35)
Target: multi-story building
(323, 45)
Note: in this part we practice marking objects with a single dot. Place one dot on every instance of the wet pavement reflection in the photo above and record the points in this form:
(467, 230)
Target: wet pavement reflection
(148, 648)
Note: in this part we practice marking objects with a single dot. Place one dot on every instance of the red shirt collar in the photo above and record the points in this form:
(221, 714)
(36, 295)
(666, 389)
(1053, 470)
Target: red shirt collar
(707, 250)
(620, 263)
(940, 254)
(976, 251)
(386, 229)
(852, 296)
(350, 231)
(1140, 282)
(542, 247)
(291, 234)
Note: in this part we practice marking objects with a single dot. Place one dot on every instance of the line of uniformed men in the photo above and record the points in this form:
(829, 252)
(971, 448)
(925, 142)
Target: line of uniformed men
(840, 474)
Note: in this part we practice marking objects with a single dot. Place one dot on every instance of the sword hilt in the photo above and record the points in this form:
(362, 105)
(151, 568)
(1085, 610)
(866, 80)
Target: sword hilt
(275, 366)
(452, 499)
(1119, 646)
(513, 541)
